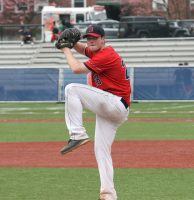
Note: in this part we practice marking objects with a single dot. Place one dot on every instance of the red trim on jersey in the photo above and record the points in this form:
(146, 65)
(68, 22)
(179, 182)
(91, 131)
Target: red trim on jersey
(109, 73)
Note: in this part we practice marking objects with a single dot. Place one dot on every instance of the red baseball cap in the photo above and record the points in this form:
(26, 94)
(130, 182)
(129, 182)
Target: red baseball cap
(94, 31)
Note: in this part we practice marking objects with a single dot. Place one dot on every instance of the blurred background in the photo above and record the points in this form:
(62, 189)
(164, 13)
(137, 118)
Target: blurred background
(118, 17)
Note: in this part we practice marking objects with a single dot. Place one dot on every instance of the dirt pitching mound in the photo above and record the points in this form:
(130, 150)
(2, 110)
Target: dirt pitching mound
(126, 154)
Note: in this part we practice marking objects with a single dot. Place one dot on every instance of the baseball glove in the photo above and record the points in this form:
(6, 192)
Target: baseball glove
(68, 38)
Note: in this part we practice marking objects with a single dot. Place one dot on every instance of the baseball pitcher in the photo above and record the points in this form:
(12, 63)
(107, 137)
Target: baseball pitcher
(108, 96)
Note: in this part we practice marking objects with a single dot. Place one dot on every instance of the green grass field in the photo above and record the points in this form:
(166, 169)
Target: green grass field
(83, 184)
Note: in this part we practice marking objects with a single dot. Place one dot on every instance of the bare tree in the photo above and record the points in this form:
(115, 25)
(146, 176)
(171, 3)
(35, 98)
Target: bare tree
(26, 14)
(126, 9)
(132, 7)
(176, 9)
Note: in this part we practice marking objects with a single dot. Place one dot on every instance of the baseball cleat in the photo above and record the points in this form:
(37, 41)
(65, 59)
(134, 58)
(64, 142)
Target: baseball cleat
(73, 144)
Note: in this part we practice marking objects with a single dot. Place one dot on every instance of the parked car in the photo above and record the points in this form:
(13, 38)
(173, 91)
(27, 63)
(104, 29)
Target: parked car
(148, 27)
(175, 26)
(111, 27)
(188, 24)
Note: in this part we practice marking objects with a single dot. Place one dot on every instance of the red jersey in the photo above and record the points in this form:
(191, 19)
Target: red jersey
(109, 73)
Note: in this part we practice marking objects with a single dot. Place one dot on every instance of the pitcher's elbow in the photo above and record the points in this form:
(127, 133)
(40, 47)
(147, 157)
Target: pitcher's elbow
(76, 71)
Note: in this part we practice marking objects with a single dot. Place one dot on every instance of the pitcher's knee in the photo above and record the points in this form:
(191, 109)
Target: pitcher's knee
(70, 88)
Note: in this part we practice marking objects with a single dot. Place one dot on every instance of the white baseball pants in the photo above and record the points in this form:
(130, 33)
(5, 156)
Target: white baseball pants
(110, 113)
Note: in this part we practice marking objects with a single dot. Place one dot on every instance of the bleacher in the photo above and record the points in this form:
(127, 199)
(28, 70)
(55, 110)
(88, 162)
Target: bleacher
(136, 53)
(15, 55)
(40, 72)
